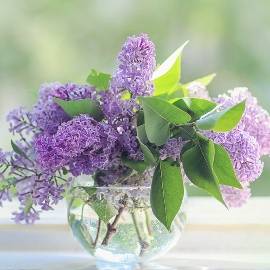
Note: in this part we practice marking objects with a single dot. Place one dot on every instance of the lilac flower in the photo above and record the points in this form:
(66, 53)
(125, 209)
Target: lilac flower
(46, 155)
(172, 149)
(47, 114)
(37, 191)
(136, 65)
(68, 91)
(3, 157)
(28, 217)
(25, 186)
(121, 117)
(20, 121)
(99, 156)
(81, 142)
(255, 121)
(244, 152)
(47, 193)
(234, 197)
(197, 89)
(4, 196)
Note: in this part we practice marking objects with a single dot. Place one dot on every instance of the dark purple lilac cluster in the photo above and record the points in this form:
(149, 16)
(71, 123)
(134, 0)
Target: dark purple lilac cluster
(81, 143)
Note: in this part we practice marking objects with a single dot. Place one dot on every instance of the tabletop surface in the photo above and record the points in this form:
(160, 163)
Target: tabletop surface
(213, 240)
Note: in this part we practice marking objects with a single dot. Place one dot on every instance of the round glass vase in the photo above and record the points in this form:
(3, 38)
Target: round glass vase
(117, 226)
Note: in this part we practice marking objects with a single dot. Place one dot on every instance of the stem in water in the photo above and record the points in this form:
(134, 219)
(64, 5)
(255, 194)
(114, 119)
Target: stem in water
(144, 245)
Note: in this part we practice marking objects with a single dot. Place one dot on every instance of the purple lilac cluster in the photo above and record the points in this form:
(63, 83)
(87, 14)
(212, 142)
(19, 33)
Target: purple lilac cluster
(244, 151)
(136, 65)
(35, 191)
(255, 121)
(47, 114)
(83, 143)
(246, 144)
(21, 122)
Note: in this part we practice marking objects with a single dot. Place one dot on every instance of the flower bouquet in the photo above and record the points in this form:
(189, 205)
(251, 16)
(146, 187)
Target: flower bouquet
(121, 147)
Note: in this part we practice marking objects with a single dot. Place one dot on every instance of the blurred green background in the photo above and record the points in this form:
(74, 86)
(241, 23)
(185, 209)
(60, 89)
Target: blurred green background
(42, 41)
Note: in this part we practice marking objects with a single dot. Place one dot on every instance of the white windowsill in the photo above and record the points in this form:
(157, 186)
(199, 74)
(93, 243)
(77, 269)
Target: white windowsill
(237, 239)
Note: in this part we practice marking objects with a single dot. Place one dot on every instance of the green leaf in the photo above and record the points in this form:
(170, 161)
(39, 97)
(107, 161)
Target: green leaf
(165, 110)
(187, 146)
(103, 209)
(82, 106)
(18, 150)
(91, 191)
(167, 76)
(223, 168)
(198, 166)
(157, 128)
(206, 80)
(141, 134)
(99, 80)
(196, 107)
(158, 114)
(137, 165)
(149, 156)
(186, 132)
(224, 120)
(167, 192)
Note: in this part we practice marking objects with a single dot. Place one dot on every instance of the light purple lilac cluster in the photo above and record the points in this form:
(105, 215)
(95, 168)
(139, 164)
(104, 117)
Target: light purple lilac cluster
(246, 144)
(35, 191)
(136, 66)
(256, 120)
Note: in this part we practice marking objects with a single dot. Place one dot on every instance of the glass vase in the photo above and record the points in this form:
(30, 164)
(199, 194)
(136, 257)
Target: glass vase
(117, 226)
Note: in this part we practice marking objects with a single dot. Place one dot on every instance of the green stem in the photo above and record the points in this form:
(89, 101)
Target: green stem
(148, 221)
(144, 245)
(98, 232)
